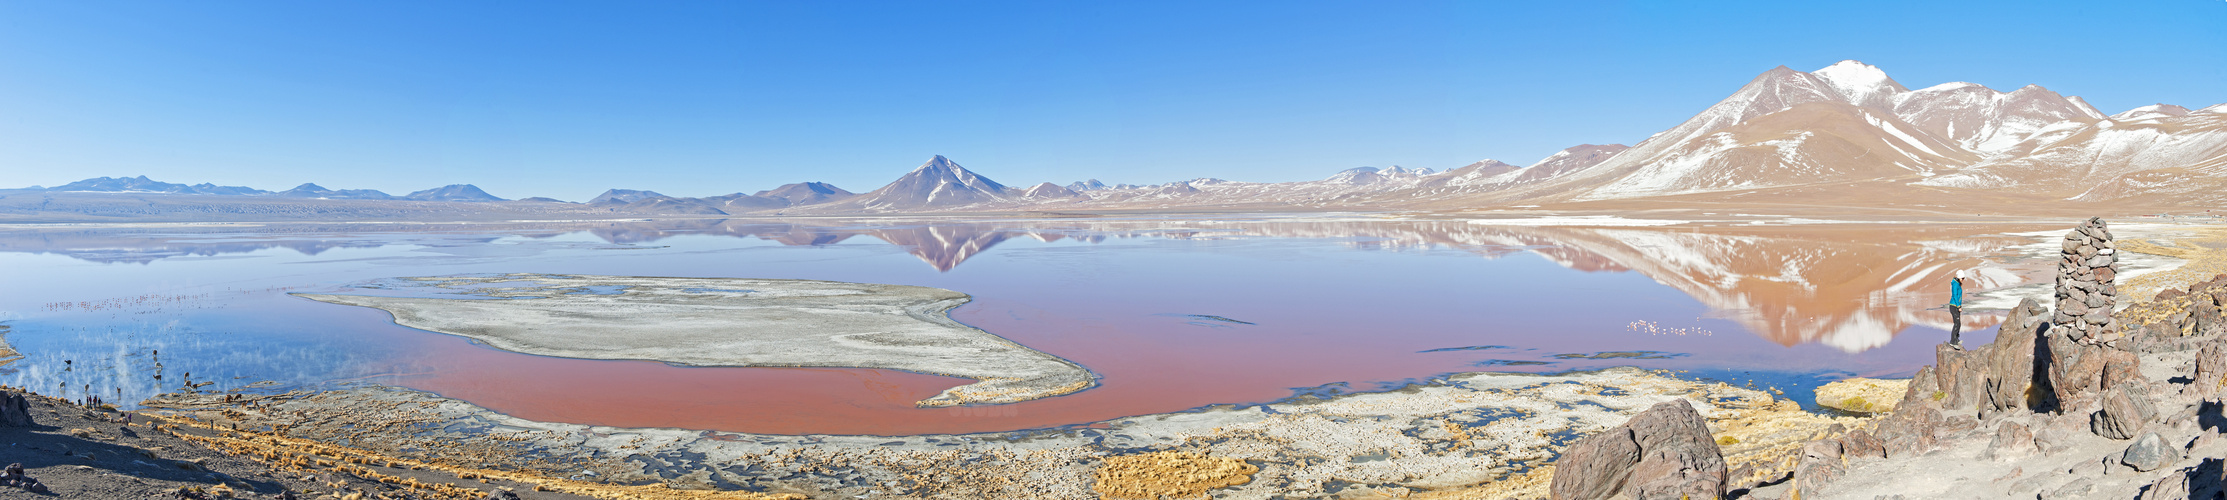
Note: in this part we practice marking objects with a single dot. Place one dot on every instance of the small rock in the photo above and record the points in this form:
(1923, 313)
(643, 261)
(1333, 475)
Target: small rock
(2078, 488)
(1860, 444)
(2150, 452)
(2012, 441)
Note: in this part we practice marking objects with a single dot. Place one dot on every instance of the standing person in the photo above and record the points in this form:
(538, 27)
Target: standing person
(1956, 310)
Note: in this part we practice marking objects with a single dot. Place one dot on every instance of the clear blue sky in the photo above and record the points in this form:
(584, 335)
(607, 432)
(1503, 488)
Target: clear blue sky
(565, 99)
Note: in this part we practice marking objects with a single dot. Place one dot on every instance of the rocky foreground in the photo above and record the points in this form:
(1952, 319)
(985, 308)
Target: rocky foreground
(2083, 400)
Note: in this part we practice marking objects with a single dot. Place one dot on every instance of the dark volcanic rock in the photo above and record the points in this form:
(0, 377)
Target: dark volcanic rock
(1958, 372)
(2074, 369)
(14, 410)
(2010, 359)
(1664, 452)
(2149, 453)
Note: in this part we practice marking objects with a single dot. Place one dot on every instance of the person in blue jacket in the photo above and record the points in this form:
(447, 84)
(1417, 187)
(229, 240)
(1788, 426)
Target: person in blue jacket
(1956, 309)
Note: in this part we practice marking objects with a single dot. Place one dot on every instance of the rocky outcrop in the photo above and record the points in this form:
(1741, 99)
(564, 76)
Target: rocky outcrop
(2206, 480)
(14, 410)
(2180, 316)
(2086, 288)
(2010, 359)
(1665, 452)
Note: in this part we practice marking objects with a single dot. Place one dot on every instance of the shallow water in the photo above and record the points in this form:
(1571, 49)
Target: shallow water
(1173, 314)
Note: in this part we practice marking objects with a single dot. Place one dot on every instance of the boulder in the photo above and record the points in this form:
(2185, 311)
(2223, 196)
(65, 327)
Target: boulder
(1821, 465)
(14, 410)
(1910, 431)
(2126, 410)
(2012, 441)
(2120, 367)
(1664, 452)
(2074, 369)
(2211, 362)
(2205, 480)
(2010, 361)
(1859, 444)
(2150, 452)
(1921, 389)
(1958, 372)
(1675, 475)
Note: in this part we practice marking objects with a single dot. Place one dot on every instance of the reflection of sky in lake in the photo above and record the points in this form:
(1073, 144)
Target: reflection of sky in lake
(1173, 314)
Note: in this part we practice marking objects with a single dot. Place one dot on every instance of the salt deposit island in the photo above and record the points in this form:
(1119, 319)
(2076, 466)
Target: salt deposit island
(735, 322)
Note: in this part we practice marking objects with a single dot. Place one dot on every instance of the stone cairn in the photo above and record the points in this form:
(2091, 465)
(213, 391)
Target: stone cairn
(2086, 288)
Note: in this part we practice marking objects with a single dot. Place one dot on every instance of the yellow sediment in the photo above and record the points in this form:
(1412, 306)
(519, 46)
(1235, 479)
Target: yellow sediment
(1529, 484)
(2205, 249)
(1862, 395)
(1169, 474)
(290, 454)
(7, 354)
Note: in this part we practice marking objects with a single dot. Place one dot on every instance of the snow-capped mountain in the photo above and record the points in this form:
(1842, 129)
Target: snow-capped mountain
(1850, 123)
(1783, 128)
(939, 184)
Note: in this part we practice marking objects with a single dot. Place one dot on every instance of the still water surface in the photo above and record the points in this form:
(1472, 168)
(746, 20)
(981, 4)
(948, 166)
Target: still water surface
(1173, 314)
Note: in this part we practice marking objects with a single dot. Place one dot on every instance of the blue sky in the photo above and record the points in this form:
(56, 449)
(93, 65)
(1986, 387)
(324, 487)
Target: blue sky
(565, 99)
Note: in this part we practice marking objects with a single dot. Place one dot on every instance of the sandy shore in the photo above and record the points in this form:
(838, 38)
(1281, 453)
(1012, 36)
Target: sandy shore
(735, 322)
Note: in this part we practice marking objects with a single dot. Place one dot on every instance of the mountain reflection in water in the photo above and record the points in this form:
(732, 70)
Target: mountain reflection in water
(1847, 286)
(1172, 313)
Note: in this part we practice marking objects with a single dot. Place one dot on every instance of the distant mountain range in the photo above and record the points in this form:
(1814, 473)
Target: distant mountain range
(143, 185)
(1845, 135)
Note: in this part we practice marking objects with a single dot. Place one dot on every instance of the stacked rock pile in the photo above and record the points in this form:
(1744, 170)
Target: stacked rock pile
(2086, 292)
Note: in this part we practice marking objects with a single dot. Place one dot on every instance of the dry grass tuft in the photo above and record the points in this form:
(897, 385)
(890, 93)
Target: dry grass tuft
(1862, 395)
(1169, 474)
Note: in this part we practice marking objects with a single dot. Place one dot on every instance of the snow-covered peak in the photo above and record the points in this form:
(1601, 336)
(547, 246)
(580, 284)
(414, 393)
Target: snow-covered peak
(1355, 176)
(1862, 84)
(2220, 108)
(2085, 109)
(2151, 111)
